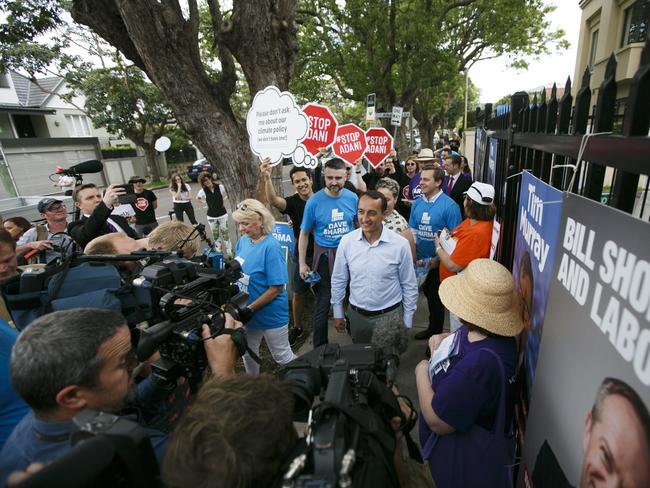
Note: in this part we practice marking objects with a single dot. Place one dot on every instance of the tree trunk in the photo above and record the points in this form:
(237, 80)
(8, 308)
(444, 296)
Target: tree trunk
(150, 161)
(261, 36)
(426, 133)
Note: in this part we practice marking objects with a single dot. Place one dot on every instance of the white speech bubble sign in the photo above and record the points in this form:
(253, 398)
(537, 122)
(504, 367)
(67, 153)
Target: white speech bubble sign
(162, 144)
(275, 124)
(302, 159)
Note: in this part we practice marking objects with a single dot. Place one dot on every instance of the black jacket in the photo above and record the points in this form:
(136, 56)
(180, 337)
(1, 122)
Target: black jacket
(86, 229)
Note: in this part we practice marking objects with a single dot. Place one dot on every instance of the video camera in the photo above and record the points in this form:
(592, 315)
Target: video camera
(173, 295)
(108, 452)
(349, 428)
(185, 296)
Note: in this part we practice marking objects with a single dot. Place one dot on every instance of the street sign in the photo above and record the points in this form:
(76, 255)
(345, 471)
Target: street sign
(370, 107)
(380, 144)
(322, 127)
(350, 143)
(389, 115)
(396, 118)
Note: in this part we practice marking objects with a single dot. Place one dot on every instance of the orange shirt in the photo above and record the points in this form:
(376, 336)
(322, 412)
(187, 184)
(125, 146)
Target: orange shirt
(472, 242)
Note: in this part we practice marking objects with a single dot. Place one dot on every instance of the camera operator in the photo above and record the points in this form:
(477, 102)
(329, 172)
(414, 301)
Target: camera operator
(237, 432)
(170, 235)
(72, 360)
(96, 218)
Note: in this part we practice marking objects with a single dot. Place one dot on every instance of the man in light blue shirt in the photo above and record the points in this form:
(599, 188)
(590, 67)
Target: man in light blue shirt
(378, 265)
(329, 214)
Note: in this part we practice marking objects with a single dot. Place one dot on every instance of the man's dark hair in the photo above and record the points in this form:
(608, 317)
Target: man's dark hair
(79, 188)
(456, 160)
(375, 195)
(614, 386)
(335, 163)
(237, 433)
(7, 240)
(298, 169)
(58, 350)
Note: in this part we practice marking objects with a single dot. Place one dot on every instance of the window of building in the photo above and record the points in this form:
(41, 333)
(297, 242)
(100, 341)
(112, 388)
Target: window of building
(635, 27)
(78, 125)
(592, 51)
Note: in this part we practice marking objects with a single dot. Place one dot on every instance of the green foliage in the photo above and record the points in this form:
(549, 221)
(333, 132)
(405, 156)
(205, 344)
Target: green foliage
(25, 22)
(123, 101)
(116, 148)
(412, 53)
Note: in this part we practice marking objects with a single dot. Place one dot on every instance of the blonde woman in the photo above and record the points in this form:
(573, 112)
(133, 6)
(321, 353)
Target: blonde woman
(264, 278)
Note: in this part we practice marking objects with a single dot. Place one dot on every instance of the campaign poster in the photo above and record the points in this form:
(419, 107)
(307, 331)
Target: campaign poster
(589, 423)
(492, 162)
(480, 140)
(536, 242)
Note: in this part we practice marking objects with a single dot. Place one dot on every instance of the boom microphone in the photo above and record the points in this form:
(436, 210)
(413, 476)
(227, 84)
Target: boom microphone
(87, 167)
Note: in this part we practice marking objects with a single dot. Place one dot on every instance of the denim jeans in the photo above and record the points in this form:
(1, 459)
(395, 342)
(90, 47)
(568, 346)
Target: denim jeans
(322, 305)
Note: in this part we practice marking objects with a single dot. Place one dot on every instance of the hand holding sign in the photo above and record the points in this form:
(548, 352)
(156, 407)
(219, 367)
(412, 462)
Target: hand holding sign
(275, 124)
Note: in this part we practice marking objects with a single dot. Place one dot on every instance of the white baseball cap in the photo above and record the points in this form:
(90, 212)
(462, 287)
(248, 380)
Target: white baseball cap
(481, 193)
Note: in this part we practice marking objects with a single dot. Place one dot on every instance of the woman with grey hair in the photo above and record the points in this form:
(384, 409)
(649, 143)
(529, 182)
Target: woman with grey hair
(264, 270)
(394, 221)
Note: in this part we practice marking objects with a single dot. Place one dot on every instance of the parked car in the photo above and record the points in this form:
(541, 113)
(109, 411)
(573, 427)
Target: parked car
(198, 167)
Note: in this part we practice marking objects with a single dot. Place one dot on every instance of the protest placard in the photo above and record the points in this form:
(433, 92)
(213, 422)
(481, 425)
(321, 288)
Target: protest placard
(350, 143)
(380, 144)
(322, 127)
(275, 124)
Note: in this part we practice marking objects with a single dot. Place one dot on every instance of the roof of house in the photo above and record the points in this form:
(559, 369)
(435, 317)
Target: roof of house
(35, 94)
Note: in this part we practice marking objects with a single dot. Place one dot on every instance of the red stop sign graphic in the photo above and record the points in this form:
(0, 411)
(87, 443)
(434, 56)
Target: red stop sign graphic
(350, 143)
(380, 143)
(322, 127)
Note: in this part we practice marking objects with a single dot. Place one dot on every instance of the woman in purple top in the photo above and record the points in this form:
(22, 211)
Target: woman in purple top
(466, 390)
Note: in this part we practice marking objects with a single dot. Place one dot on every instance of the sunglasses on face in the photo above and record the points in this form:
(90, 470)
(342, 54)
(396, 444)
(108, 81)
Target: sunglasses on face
(55, 208)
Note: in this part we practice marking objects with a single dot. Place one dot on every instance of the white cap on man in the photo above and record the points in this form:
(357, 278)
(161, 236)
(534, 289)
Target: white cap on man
(481, 193)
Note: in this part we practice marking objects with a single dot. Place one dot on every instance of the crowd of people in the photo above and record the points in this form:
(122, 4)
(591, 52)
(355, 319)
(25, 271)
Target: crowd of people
(362, 236)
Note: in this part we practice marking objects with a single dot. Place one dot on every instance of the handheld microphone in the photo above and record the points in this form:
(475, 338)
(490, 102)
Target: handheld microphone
(86, 167)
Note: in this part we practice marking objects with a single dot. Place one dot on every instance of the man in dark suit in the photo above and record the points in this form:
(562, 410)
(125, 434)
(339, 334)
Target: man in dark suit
(96, 219)
(455, 184)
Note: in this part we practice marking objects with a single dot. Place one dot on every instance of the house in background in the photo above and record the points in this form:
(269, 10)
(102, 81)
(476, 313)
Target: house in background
(606, 26)
(29, 109)
(39, 131)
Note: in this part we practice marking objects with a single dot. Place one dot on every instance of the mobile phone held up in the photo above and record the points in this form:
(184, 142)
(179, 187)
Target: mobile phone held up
(129, 197)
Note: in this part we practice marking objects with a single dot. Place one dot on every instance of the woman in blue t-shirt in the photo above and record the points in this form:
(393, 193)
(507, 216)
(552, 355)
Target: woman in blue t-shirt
(264, 269)
(466, 390)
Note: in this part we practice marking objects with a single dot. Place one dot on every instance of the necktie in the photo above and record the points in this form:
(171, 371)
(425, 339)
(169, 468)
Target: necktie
(450, 184)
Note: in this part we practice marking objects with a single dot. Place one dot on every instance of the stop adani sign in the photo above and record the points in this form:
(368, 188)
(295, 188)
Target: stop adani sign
(380, 144)
(322, 127)
(350, 143)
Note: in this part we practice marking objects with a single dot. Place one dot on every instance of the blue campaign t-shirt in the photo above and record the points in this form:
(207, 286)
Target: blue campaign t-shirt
(330, 217)
(428, 218)
(263, 265)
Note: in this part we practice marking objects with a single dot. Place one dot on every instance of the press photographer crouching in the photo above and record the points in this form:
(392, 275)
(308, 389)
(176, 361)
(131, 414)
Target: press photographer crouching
(69, 361)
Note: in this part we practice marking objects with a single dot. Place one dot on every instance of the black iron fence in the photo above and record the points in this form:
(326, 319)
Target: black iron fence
(571, 143)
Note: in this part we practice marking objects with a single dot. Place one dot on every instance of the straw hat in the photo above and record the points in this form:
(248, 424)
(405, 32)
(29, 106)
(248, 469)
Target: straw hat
(484, 295)
(425, 154)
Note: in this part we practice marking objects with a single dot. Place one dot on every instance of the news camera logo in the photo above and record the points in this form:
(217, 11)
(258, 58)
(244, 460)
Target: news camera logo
(336, 215)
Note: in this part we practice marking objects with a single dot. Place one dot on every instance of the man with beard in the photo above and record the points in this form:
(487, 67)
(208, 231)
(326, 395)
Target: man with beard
(72, 360)
(294, 207)
(330, 214)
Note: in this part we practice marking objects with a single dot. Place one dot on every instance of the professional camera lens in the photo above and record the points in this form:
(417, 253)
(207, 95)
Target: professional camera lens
(305, 384)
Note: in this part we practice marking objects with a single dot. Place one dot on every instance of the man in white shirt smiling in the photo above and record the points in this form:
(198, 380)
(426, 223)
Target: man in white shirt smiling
(378, 265)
